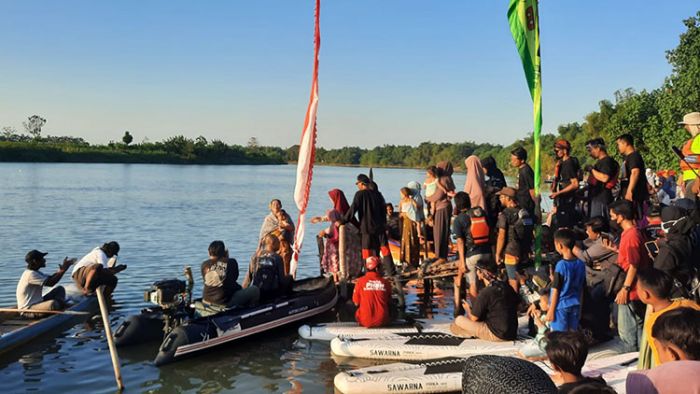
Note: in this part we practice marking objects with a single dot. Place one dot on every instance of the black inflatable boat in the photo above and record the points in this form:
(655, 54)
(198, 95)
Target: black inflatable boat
(189, 329)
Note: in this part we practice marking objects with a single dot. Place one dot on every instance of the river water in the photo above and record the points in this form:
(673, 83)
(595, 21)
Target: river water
(164, 217)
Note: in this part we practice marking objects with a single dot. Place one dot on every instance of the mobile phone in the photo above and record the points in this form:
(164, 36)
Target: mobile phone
(652, 248)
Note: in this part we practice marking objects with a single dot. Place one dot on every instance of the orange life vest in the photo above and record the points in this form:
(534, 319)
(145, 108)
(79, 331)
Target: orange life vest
(479, 228)
(694, 157)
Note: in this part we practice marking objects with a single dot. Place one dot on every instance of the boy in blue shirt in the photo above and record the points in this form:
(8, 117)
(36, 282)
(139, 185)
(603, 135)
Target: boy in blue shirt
(567, 287)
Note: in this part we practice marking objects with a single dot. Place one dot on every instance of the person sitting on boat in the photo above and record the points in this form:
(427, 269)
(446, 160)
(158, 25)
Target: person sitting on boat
(494, 313)
(33, 280)
(94, 270)
(372, 296)
(266, 271)
(220, 273)
(279, 223)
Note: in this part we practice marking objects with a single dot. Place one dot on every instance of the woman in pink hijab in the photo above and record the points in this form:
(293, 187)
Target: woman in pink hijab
(474, 185)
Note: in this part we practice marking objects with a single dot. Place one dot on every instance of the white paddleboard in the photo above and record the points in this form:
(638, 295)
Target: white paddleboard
(328, 331)
(417, 347)
(445, 375)
(439, 376)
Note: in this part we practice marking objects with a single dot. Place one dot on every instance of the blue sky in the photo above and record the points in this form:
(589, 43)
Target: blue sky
(391, 71)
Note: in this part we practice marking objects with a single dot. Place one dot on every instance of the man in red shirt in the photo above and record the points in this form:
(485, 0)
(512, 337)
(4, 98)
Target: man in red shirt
(632, 257)
(372, 296)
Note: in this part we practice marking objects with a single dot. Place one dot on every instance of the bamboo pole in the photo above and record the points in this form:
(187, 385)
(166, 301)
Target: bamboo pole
(458, 294)
(342, 262)
(110, 340)
(15, 310)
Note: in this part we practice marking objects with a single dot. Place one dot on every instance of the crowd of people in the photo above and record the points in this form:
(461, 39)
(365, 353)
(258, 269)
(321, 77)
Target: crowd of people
(626, 241)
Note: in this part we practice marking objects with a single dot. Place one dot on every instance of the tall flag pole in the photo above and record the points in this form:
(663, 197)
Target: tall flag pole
(524, 20)
(307, 150)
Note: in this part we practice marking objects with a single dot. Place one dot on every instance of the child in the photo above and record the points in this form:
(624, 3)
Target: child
(654, 288)
(535, 350)
(567, 352)
(677, 337)
(567, 286)
(410, 242)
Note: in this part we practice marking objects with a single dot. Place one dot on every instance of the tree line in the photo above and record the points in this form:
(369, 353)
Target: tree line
(650, 116)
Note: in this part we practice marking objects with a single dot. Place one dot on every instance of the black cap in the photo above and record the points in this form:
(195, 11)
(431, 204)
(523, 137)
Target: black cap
(34, 255)
(362, 178)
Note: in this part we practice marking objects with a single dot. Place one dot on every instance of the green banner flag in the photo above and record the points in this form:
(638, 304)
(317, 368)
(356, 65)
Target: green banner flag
(524, 20)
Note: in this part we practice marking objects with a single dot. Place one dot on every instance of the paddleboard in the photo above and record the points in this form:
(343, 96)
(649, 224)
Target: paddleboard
(417, 347)
(328, 331)
(445, 375)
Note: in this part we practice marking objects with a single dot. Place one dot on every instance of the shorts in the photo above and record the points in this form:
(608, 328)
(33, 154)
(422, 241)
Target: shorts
(511, 266)
(102, 277)
(566, 319)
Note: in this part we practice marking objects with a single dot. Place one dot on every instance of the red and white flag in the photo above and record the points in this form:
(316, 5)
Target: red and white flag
(307, 150)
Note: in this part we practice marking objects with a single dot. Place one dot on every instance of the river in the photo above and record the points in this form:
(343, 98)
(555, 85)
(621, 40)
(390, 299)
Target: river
(164, 217)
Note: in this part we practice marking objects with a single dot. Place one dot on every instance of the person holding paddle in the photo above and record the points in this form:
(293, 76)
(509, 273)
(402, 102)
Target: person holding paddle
(33, 280)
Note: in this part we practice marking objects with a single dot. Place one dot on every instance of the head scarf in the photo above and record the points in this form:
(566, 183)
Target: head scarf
(340, 203)
(474, 185)
(446, 171)
(417, 214)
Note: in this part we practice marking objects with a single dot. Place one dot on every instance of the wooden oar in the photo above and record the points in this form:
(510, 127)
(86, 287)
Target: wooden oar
(110, 339)
(15, 310)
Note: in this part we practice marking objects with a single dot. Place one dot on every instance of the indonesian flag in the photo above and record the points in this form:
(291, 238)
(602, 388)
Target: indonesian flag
(307, 150)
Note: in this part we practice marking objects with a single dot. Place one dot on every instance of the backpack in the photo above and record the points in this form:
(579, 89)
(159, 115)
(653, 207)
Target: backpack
(479, 229)
(266, 277)
(523, 227)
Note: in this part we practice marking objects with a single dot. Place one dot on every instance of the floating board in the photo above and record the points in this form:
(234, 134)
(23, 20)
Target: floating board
(417, 347)
(328, 331)
(438, 376)
(445, 375)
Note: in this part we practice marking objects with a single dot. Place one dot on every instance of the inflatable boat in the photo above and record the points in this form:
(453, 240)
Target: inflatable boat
(186, 330)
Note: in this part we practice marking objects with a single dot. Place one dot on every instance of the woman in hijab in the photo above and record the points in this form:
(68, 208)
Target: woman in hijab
(279, 223)
(330, 260)
(474, 185)
(443, 211)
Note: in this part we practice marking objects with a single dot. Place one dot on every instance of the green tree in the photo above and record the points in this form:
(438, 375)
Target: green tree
(33, 126)
(127, 138)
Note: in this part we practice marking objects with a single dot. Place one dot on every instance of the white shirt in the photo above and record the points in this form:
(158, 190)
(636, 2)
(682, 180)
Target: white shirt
(29, 288)
(96, 256)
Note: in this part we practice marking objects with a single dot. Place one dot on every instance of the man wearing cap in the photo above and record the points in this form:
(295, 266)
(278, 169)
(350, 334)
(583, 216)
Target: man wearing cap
(33, 280)
(526, 180)
(493, 316)
(514, 241)
(601, 180)
(691, 150)
(94, 270)
(372, 296)
(565, 185)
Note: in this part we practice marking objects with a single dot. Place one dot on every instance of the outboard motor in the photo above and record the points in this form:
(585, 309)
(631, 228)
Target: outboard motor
(172, 298)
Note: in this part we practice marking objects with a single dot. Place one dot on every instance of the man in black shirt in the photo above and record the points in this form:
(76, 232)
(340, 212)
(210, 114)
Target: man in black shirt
(634, 185)
(472, 233)
(494, 315)
(602, 179)
(526, 180)
(220, 274)
(565, 185)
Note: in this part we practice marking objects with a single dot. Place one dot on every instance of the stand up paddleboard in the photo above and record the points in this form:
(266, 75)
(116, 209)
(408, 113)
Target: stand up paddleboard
(418, 347)
(328, 331)
(445, 375)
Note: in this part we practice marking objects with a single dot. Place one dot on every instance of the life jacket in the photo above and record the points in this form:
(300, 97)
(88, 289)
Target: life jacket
(266, 277)
(691, 150)
(479, 227)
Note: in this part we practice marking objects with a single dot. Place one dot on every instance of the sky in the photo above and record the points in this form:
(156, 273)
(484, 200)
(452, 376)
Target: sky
(391, 71)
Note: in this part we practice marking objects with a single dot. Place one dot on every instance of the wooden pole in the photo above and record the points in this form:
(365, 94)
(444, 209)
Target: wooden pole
(14, 310)
(110, 340)
(342, 262)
